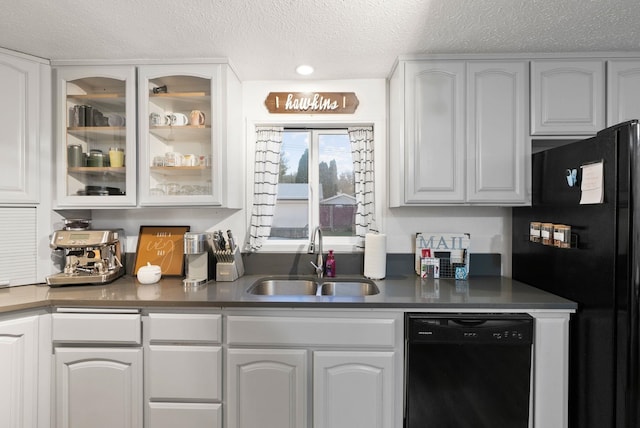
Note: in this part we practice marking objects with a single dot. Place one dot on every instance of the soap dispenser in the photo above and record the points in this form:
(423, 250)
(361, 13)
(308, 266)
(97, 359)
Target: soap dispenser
(330, 266)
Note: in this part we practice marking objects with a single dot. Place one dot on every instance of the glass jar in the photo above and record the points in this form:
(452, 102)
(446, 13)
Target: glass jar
(96, 158)
(534, 231)
(562, 236)
(546, 233)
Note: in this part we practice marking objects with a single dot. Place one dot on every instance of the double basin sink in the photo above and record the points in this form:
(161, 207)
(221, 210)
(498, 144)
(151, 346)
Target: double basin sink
(308, 286)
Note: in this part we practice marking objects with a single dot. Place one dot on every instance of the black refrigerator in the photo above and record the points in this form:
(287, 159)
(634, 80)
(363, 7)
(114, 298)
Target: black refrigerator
(600, 270)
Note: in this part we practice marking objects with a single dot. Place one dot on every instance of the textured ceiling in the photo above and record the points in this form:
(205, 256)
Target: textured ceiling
(342, 39)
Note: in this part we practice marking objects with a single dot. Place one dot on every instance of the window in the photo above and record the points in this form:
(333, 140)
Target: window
(315, 185)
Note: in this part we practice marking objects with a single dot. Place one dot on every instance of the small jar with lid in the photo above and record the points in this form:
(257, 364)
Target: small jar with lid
(546, 233)
(96, 158)
(534, 231)
(562, 236)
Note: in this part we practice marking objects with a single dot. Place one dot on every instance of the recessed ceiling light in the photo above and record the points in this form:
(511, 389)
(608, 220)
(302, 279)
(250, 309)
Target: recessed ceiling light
(304, 70)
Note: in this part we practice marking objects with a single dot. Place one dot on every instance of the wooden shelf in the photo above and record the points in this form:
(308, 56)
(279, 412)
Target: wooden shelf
(179, 170)
(97, 170)
(181, 133)
(111, 102)
(179, 95)
(98, 132)
(95, 96)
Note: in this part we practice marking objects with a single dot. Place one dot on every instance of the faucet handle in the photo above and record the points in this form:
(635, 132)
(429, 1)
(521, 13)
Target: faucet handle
(319, 270)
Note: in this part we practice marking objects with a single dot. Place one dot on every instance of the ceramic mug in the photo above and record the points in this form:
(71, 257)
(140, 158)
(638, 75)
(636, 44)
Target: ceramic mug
(179, 119)
(196, 118)
(157, 119)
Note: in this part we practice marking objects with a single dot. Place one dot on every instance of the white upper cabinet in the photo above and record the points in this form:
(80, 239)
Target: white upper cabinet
(186, 135)
(623, 91)
(19, 121)
(427, 141)
(497, 152)
(457, 133)
(95, 138)
(567, 97)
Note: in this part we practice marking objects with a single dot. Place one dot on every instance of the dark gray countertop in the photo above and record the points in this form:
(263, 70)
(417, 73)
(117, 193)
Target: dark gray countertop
(401, 292)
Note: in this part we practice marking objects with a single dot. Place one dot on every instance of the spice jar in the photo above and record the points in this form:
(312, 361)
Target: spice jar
(562, 236)
(534, 231)
(546, 233)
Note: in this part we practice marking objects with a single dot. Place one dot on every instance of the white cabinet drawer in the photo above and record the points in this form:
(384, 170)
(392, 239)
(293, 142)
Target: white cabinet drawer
(330, 331)
(87, 327)
(185, 327)
(184, 372)
(185, 415)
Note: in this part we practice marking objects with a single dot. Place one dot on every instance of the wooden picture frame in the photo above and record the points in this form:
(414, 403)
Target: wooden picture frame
(162, 246)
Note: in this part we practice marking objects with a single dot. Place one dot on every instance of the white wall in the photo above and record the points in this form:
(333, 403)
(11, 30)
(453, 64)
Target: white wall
(490, 227)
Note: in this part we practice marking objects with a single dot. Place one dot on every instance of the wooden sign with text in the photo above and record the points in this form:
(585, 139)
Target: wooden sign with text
(161, 246)
(312, 102)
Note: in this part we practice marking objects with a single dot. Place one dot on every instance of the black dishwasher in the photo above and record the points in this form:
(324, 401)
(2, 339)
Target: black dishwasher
(468, 370)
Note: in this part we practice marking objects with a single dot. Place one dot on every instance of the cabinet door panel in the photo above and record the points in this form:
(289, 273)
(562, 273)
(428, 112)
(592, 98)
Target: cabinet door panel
(434, 122)
(353, 389)
(496, 150)
(95, 115)
(19, 121)
(99, 387)
(623, 91)
(185, 372)
(267, 388)
(18, 366)
(567, 97)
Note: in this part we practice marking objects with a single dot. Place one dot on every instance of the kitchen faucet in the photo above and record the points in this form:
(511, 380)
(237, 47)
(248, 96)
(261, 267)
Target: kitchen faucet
(319, 265)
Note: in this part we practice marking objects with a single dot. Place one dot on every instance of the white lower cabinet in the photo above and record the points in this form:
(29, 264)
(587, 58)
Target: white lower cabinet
(329, 370)
(98, 387)
(19, 372)
(267, 388)
(353, 389)
(183, 370)
(98, 368)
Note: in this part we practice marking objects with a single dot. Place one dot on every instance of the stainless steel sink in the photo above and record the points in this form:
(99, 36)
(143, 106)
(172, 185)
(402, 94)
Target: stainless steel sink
(348, 288)
(283, 287)
(310, 287)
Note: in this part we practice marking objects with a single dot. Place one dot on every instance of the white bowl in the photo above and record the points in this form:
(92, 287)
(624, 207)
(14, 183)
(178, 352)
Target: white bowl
(149, 274)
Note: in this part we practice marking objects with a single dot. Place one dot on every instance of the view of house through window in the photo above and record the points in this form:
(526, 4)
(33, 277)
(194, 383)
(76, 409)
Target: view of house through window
(315, 185)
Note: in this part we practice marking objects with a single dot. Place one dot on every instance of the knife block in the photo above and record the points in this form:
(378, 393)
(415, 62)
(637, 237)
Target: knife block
(229, 266)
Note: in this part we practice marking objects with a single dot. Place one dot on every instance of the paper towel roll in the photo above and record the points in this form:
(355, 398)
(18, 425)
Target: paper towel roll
(375, 255)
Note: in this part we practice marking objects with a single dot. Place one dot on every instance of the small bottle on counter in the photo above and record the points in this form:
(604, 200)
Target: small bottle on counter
(330, 266)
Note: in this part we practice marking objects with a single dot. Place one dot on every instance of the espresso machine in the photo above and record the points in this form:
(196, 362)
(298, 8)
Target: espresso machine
(90, 256)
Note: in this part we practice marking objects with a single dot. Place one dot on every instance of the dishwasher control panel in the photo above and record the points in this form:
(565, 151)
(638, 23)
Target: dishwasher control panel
(469, 328)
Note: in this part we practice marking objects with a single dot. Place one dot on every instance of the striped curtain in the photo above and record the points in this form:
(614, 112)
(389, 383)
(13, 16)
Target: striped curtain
(362, 153)
(265, 184)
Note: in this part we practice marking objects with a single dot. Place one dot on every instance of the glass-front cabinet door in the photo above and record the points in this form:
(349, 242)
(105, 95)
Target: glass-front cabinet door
(95, 136)
(180, 140)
